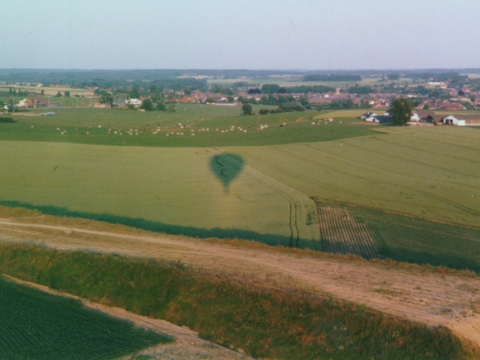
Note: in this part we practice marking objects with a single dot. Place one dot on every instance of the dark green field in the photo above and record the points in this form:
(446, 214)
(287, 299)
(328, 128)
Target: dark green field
(36, 325)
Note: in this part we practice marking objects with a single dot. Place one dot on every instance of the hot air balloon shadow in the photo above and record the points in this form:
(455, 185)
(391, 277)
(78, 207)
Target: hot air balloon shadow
(226, 167)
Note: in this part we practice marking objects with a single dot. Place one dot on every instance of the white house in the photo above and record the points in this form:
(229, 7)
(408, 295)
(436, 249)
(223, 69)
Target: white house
(134, 102)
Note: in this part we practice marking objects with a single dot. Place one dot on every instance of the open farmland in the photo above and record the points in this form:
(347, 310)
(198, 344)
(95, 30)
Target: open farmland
(431, 173)
(428, 173)
(177, 192)
(36, 325)
(292, 179)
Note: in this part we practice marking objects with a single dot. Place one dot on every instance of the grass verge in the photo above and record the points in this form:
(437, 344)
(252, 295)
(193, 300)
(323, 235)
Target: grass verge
(266, 324)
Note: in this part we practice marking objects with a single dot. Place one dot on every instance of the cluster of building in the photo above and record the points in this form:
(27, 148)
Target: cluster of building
(423, 117)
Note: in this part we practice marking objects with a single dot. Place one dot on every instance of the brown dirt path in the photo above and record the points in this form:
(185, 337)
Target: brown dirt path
(417, 293)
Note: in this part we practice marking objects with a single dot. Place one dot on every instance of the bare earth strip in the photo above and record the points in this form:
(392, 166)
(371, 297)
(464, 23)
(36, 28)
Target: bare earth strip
(415, 293)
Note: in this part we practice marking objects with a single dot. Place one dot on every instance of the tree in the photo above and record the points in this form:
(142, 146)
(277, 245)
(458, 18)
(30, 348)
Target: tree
(247, 109)
(147, 105)
(67, 93)
(402, 111)
(134, 94)
(270, 88)
(161, 106)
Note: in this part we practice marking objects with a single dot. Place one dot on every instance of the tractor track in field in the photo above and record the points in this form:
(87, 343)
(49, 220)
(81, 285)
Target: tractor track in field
(416, 293)
(293, 211)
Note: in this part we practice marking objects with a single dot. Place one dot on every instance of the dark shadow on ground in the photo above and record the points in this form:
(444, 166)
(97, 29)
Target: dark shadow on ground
(269, 239)
(226, 167)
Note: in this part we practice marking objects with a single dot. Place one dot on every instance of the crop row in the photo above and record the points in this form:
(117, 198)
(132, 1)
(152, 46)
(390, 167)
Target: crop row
(42, 326)
(342, 234)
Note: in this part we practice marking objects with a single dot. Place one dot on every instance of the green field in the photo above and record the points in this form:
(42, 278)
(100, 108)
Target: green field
(263, 189)
(36, 325)
(210, 125)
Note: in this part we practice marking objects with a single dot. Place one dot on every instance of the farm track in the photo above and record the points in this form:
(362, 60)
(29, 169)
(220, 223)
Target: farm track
(411, 292)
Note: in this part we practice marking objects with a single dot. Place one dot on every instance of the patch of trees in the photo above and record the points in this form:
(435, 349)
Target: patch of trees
(247, 109)
(222, 90)
(147, 105)
(6, 120)
(19, 92)
(182, 83)
(393, 76)
(360, 90)
(238, 84)
(402, 111)
(432, 93)
(285, 107)
(338, 104)
(332, 77)
(270, 88)
(318, 89)
(446, 76)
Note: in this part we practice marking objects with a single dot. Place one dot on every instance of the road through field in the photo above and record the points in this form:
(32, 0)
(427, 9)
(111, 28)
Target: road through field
(415, 293)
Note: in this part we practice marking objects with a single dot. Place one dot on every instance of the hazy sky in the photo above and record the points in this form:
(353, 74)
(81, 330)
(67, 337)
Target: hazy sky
(234, 34)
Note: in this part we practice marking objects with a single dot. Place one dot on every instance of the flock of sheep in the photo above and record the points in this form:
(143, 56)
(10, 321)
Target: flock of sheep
(193, 132)
(327, 120)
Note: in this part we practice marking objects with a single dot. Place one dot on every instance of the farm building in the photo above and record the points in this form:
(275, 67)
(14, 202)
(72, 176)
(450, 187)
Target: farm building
(368, 115)
(462, 120)
(429, 117)
(25, 103)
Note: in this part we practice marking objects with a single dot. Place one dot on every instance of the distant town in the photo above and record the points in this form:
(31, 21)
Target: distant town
(445, 91)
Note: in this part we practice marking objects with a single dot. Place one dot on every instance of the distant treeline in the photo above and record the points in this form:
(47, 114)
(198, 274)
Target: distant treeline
(335, 77)
(360, 90)
(447, 76)
(312, 89)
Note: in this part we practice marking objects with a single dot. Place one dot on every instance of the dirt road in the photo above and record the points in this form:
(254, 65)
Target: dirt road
(413, 292)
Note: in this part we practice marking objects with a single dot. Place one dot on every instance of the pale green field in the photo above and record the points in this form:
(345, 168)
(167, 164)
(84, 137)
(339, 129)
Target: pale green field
(430, 172)
(52, 91)
(174, 187)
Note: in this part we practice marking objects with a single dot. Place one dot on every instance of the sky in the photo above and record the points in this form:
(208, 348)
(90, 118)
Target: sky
(234, 34)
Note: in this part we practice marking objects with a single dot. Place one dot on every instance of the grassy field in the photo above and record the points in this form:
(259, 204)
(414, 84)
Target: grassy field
(431, 173)
(190, 126)
(36, 325)
(52, 91)
(265, 324)
(178, 190)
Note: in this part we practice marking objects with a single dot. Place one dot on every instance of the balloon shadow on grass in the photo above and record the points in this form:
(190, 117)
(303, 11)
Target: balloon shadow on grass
(226, 167)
